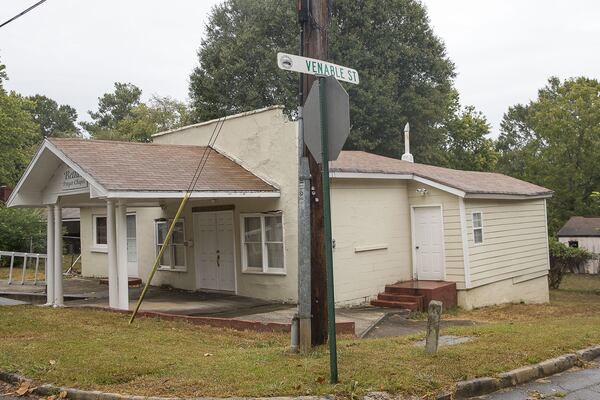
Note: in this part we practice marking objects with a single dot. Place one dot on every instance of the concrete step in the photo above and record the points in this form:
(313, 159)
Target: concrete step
(406, 305)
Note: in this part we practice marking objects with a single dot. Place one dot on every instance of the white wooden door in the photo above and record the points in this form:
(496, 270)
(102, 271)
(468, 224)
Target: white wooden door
(428, 242)
(132, 263)
(213, 243)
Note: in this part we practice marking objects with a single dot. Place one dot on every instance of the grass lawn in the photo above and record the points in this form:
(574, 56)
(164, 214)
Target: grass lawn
(99, 350)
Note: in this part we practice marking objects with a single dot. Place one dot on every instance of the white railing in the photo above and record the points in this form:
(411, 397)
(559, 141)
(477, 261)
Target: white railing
(27, 258)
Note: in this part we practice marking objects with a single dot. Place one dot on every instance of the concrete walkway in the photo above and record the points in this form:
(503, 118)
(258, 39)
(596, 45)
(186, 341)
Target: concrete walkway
(577, 384)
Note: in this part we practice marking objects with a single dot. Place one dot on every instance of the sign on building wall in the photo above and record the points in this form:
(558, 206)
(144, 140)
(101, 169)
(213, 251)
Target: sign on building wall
(72, 180)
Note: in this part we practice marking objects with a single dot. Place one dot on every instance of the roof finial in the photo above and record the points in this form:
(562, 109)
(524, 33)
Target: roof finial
(407, 156)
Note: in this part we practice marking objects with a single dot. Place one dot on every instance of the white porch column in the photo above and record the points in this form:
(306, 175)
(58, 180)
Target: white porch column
(111, 239)
(58, 257)
(122, 255)
(50, 256)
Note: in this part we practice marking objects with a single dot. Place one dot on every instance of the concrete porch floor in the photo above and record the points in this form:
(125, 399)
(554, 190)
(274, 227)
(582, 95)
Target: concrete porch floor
(82, 292)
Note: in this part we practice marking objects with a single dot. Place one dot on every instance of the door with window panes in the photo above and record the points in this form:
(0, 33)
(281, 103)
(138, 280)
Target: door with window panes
(132, 266)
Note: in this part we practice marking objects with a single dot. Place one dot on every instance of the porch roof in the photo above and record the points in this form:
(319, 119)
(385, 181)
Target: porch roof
(127, 166)
(137, 170)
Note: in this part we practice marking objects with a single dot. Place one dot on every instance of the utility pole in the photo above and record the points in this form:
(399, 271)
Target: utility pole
(315, 45)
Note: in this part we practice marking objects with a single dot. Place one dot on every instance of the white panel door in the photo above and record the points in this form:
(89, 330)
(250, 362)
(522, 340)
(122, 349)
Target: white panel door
(213, 237)
(428, 243)
(225, 249)
(132, 264)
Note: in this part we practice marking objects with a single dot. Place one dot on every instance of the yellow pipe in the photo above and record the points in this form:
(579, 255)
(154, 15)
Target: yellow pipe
(160, 254)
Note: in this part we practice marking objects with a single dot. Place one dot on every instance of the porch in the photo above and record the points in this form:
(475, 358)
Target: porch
(196, 307)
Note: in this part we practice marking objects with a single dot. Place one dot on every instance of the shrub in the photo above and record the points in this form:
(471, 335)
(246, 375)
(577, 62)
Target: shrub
(564, 259)
(22, 229)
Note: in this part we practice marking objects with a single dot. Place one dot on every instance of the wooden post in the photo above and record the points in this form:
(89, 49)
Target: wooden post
(315, 46)
(433, 326)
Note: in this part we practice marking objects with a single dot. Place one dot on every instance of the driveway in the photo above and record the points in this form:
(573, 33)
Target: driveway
(575, 384)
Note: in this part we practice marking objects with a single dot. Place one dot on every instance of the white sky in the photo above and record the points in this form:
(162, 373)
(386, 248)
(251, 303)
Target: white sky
(73, 51)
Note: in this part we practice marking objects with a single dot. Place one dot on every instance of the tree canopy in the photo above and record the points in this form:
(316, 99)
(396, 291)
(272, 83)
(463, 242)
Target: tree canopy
(123, 116)
(553, 141)
(53, 119)
(405, 73)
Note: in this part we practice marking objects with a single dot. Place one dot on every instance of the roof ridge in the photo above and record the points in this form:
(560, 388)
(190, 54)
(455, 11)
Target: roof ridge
(129, 143)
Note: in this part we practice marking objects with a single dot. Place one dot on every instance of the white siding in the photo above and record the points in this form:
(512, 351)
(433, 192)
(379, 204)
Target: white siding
(589, 243)
(453, 247)
(515, 242)
(371, 229)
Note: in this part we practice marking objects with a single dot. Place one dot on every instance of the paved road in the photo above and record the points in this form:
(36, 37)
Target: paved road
(571, 385)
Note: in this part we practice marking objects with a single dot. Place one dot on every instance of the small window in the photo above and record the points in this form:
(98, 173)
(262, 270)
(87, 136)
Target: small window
(574, 243)
(262, 243)
(477, 228)
(100, 238)
(174, 257)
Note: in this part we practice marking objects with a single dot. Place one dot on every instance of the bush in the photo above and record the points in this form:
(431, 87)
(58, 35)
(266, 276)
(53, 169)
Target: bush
(22, 229)
(564, 259)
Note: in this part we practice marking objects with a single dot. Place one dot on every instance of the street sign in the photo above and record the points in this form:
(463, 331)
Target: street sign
(312, 66)
(337, 118)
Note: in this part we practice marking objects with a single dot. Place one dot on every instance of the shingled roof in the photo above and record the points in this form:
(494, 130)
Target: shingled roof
(581, 226)
(126, 166)
(470, 182)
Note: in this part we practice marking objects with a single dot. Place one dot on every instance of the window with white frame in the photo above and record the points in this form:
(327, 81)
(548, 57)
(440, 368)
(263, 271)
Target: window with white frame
(174, 257)
(262, 243)
(477, 228)
(100, 231)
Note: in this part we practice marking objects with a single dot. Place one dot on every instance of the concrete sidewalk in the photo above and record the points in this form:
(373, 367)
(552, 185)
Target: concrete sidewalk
(575, 384)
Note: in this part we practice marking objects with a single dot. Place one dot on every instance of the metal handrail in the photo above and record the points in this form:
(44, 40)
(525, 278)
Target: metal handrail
(26, 257)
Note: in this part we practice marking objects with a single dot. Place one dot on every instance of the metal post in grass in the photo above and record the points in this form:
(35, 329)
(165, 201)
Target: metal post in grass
(328, 236)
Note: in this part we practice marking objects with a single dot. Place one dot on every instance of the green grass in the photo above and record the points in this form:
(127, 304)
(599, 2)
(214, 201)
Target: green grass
(99, 350)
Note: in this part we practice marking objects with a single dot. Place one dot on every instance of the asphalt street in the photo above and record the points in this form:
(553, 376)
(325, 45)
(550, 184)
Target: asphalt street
(581, 384)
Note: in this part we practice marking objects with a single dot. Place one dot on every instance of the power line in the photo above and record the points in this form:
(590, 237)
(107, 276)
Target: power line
(22, 13)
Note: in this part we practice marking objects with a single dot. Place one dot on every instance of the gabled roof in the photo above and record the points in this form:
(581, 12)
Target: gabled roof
(127, 166)
(581, 226)
(463, 183)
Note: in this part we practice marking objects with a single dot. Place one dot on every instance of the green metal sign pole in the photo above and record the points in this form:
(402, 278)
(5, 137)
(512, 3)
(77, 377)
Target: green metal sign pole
(328, 238)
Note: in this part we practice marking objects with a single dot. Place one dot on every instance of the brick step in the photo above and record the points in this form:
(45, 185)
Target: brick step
(396, 304)
(391, 289)
(401, 298)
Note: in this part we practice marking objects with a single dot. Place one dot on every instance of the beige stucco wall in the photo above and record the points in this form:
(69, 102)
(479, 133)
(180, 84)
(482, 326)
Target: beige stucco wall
(453, 243)
(515, 240)
(371, 229)
(264, 142)
(532, 291)
(94, 261)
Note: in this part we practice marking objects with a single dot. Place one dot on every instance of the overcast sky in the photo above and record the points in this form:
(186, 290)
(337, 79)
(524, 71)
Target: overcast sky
(73, 51)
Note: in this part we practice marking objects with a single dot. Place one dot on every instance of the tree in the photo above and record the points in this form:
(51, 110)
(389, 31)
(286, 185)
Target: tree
(122, 116)
(54, 120)
(467, 147)
(113, 107)
(18, 136)
(554, 141)
(22, 229)
(404, 71)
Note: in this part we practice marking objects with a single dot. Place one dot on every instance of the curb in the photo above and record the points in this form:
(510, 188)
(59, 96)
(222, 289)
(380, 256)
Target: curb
(77, 394)
(463, 390)
(485, 385)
